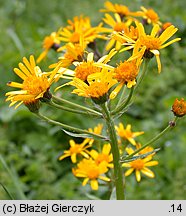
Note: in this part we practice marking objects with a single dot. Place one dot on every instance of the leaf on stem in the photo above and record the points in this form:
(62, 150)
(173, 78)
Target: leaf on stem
(140, 156)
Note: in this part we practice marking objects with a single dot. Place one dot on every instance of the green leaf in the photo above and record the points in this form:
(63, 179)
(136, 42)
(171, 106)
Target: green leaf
(141, 156)
(78, 135)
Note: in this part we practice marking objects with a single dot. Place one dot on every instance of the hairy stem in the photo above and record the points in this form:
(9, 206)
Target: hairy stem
(118, 175)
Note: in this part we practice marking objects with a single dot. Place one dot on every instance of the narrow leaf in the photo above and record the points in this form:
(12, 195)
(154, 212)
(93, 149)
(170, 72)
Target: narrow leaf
(140, 156)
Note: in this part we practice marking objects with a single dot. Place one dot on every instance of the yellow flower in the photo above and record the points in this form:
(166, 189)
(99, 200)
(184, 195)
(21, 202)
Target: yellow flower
(179, 107)
(49, 42)
(122, 10)
(152, 42)
(90, 171)
(140, 165)
(130, 32)
(150, 16)
(95, 130)
(80, 27)
(74, 52)
(126, 72)
(116, 25)
(127, 134)
(104, 156)
(35, 83)
(85, 68)
(76, 149)
(98, 85)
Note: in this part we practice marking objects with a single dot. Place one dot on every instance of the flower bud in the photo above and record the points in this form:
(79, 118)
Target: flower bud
(179, 107)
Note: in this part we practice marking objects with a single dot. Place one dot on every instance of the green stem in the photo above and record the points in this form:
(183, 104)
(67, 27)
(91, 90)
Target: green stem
(7, 192)
(69, 128)
(124, 104)
(53, 104)
(88, 110)
(152, 140)
(14, 179)
(118, 175)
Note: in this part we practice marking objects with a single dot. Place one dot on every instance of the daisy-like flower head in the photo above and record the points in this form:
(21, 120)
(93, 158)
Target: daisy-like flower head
(130, 33)
(95, 130)
(150, 16)
(127, 134)
(126, 72)
(75, 150)
(35, 84)
(179, 107)
(104, 156)
(51, 41)
(98, 85)
(116, 25)
(73, 52)
(122, 10)
(85, 68)
(152, 43)
(140, 165)
(91, 171)
(80, 27)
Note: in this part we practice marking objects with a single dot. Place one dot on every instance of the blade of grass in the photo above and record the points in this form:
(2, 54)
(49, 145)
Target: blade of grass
(14, 179)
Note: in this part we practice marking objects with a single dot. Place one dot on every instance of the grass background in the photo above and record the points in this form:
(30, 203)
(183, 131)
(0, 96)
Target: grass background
(31, 147)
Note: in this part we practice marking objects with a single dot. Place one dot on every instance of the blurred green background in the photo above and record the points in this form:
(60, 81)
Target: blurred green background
(31, 147)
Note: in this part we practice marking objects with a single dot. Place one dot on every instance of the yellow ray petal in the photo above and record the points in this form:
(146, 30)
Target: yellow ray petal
(138, 176)
(148, 172)
(94, 184)
(151, 163)
(129, 171)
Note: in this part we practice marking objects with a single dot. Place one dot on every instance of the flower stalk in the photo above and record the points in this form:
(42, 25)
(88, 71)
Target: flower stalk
(171, 125)
(75, 105)
(53, 104)
(72, 129)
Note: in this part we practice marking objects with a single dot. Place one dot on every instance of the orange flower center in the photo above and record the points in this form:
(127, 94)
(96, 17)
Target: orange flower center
(126, 71)
(93, 173)
(75, 149)
(152, 15)
(101, 158)
(85, 69)
(128, 134)
(75, 37)
(36, 85)
(150, 42)
(137, 164)
(97, 89)
(119, 27)
(133, 33)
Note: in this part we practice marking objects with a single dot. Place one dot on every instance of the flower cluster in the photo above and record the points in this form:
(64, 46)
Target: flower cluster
(94, 164)
(92, 76)
(91, 63)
